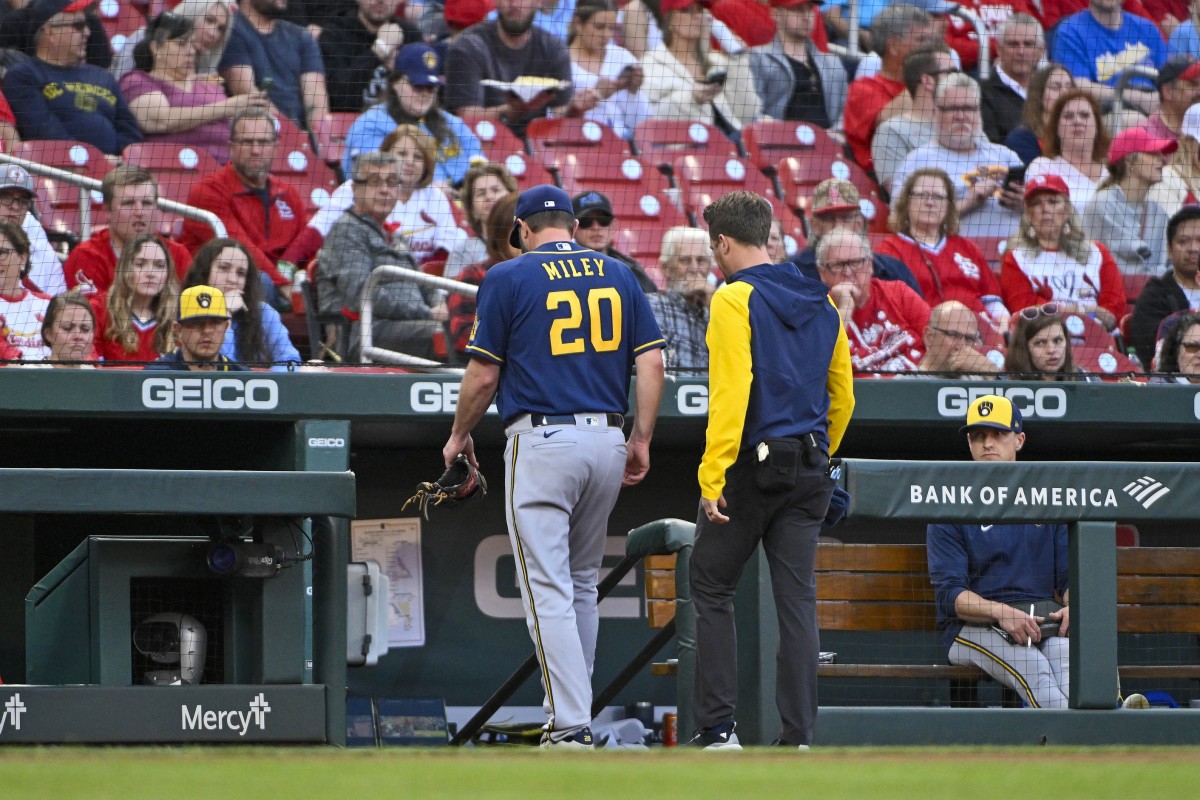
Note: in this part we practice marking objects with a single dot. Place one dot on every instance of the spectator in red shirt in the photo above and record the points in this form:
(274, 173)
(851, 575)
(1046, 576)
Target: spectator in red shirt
(133, 321)
(884, 320)
(260, 212)
(131, 197)
(897, 31)
(948, 266)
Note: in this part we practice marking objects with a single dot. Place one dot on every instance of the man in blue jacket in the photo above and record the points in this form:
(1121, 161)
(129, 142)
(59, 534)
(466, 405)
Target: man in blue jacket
(995, 584)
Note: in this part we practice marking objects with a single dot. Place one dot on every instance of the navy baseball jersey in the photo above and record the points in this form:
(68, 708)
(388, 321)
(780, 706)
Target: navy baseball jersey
(581, 318)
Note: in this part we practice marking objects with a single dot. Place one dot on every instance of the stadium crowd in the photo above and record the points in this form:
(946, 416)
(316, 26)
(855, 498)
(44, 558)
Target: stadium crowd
(1021, 202)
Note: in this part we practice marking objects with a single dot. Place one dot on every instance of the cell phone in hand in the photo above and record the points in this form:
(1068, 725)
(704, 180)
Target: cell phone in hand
(1015, 178)
(626, 73)
(265, 84)
(717, 76)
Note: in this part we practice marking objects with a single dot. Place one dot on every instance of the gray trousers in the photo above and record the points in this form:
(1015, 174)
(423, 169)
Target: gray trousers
(788, 524)
(1041, 674)
(563, 482)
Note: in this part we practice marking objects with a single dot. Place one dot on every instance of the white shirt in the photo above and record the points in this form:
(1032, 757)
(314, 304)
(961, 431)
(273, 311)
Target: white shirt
(1070, 281)
(426, 221)
(21, 318)
(1010, 83)
(1083, 188)
(623, 110)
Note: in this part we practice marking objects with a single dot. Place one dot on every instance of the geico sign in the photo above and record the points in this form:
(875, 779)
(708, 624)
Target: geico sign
(318, 441)
(692, 400)
(433, 397)
(1047, 403)
(504, 602)
(259, 394)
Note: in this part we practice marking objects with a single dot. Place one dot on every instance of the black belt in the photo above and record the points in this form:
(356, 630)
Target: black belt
(542, 420)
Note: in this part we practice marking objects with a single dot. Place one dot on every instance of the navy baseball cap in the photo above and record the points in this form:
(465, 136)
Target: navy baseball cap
(419, 63)
(535, 200)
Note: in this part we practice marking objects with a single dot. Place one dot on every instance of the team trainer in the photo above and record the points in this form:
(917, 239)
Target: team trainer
(557, 331)
(781, 393)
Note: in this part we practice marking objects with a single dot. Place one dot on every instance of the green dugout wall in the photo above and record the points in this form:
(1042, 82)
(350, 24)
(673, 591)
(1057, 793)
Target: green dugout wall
(123, 420)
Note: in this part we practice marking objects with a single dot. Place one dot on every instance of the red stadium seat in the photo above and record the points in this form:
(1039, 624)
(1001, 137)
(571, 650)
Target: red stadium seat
(58, 202)
(993, 249)
(526, 170)
(175, 167)
(770, 141)
(296, 163)
(703, 179)
(1133, 287)
(640, 231)
(121, 18)
(553, 141)
(496, 139)
(330, 134)
(614, 178)
(799, 176)
(661, 141)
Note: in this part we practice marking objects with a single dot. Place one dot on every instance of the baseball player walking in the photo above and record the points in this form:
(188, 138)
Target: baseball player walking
(557, 331)
(780, 397)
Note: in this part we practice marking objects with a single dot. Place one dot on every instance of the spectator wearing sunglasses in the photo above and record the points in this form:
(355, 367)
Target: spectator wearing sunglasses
(58, 95)
(19, 28)
(596, 225)
(1040, 347)
(1051, 259)
(1180, 357)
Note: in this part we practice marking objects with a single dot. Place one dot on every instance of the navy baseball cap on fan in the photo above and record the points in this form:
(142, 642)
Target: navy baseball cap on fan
(993, 411)
(534, 201)
(420, 64)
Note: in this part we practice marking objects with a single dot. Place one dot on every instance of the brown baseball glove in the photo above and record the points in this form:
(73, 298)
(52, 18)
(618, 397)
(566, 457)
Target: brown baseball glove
(459, 483)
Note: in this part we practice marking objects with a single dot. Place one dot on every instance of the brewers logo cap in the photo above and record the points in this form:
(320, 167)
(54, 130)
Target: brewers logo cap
(535, 200)
(420, 64)
(202, 302)
(993, 411)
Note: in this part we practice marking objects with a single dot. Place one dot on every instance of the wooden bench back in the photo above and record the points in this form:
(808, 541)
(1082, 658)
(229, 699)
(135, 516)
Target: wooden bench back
(885, 587)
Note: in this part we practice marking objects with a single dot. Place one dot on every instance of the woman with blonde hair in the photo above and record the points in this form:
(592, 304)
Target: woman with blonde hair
(687, 80)
(133, 320)
(1180, 185)
(212, 20)
(1051, 259)
(422, 215)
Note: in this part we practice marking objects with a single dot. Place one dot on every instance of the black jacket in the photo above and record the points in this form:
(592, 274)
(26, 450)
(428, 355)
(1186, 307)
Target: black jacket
(1160, 298)
(354, 77)
(1003, 109)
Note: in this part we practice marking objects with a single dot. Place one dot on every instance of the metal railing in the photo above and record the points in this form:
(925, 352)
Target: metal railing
(87, 185)
(1125, 78)
(369, 352)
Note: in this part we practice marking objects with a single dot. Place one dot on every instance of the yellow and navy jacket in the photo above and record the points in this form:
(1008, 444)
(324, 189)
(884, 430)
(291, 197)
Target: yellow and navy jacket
(779, 366)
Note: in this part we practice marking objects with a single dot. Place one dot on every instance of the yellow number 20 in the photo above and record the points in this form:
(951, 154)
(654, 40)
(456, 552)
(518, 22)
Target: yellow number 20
(565, 333)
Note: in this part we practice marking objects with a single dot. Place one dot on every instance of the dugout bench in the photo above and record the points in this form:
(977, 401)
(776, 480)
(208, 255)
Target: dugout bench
(886, 588)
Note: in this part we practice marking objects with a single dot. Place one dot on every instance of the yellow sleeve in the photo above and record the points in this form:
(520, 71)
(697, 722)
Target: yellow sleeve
(840, 385)
(730, 373)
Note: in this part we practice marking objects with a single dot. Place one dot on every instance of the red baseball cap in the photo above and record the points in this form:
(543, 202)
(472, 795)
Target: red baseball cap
(78, 5)
(1138, 140)
(794, 3)
(677, 5)
(1046, 183)
(461, 14)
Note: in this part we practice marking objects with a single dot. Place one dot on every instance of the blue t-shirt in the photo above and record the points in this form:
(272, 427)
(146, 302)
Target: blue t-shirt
(453, 159)
(1184, 41)
(565, 324)
(1013, 563)
(283, 55)
(867, 10)
(80, 103)
(1089, 50)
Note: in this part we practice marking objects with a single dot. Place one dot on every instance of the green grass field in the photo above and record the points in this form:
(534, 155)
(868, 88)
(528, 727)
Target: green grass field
(317, 773)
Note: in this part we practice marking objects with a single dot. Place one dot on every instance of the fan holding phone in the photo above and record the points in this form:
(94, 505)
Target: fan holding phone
(687, 80)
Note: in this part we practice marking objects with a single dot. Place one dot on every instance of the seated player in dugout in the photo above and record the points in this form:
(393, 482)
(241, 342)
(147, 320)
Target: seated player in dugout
(1001, 589)
(199, 328)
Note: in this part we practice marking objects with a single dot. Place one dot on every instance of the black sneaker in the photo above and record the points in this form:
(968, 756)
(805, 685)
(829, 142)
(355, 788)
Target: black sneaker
(718, 737)
(579, 740)
(782, 743)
